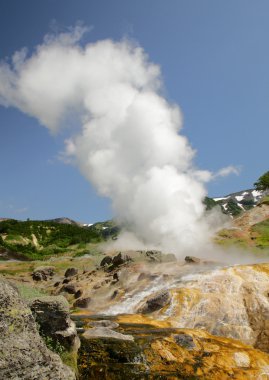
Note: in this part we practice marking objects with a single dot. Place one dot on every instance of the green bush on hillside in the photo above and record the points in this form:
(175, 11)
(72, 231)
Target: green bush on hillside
(263, 182)
(52, 238)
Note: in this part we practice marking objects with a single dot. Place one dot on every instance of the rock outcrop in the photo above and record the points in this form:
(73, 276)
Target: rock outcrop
(231, 302)
(43, 273)
(23, 354)
(155, 302)
(157, 352)
(52, 316)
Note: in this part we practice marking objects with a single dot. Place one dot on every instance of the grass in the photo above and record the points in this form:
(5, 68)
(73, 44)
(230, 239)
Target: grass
(28, 292)
(256, 239)
(265, 200)
(262, 231)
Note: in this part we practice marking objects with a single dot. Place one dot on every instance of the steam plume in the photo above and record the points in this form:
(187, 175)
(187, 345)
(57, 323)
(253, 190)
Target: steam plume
(128, 144)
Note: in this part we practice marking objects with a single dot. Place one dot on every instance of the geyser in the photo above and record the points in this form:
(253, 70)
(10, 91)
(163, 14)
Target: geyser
(127, 142)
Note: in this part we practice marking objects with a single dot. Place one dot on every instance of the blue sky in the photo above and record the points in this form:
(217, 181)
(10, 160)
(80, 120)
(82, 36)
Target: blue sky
(214, 57)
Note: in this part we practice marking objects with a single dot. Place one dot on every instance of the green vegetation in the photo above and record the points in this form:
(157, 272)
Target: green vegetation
(209, 203)
(232, 208)
(262, 231)
(263, 182)
(29, 292)
(37, 240)
(265, 200)
(256, 239)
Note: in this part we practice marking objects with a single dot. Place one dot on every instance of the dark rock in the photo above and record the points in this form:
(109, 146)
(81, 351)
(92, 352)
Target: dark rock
(154, 255)
(104, 332)
(82, 302)
(185, 341)
(69, 288)
(24, 355)
(118, 260)
(78, 293)
(66, 280)
(56, 284)
(107, 260)
(52, 315)
(112, 358)
(71, 272)
(38, 276)
(155, 302)
(116, 276)
(104, 323)
(114, 295)
(192, 260)
(43, 273)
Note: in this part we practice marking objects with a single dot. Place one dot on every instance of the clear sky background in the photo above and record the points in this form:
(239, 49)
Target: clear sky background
(214, 57)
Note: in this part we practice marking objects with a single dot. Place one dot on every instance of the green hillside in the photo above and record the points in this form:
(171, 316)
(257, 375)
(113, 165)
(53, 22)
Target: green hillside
(42, 239)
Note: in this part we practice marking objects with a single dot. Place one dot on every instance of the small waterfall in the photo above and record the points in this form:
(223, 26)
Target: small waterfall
(132, 300)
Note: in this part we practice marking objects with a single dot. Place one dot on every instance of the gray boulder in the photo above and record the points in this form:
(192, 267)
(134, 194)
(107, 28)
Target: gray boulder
(52, 315)
(105, 332)
(23, 353)
(43, 273)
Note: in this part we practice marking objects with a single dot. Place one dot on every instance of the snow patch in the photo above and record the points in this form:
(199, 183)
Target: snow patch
(239, 198)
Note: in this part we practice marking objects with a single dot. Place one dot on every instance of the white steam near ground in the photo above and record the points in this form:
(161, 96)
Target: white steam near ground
(128, 142)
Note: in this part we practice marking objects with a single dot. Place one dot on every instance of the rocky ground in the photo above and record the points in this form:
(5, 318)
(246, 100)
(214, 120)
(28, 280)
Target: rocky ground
(143, 315)
(23, 353)
(138, 314)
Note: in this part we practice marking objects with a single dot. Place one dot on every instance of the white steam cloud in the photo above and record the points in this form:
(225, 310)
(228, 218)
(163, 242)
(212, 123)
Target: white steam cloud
(128, 144)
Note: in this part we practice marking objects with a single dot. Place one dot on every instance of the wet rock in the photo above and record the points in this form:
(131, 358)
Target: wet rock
(23, 353)
(70, 272)
(43, 273)
(107, 260)
(103, 323)
(192, 260)
(105, 332)
(155, 354)
(82, 302)
(229, 302)
(155, 302)
(147, 276)
(185, 341)
(242, 359)
(53, 317)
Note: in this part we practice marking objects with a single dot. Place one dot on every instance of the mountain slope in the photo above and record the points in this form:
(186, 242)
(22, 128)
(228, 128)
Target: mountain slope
(250, 229)
(233, 204)
(40, 239)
